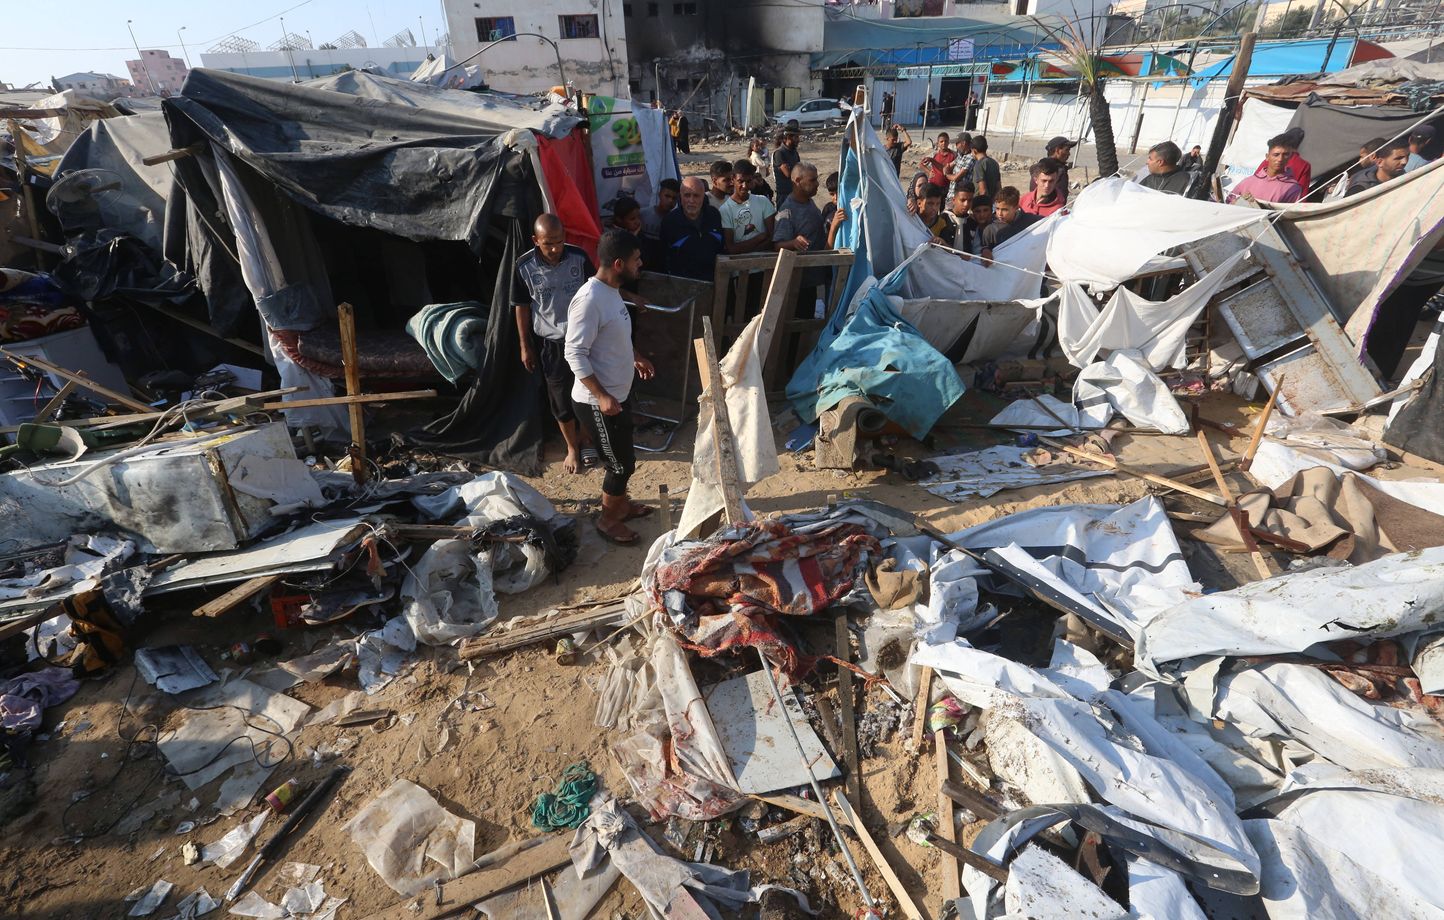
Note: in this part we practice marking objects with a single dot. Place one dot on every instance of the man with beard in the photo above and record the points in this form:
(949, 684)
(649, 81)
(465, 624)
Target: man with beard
(600, 353)
(692, 233)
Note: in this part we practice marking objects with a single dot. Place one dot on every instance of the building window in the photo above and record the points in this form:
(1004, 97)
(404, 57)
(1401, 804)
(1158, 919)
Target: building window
(684, 9)
(652, 10)
(492, 28)
(582, 26)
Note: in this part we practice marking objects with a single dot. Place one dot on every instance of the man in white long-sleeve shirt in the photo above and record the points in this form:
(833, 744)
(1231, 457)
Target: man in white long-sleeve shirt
(600, 353)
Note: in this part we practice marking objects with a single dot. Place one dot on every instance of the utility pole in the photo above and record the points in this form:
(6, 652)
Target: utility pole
(184, 51)
(286, 44)
(143, 65)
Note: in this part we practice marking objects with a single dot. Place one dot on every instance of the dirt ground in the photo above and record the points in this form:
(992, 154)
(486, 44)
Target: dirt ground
(487, 765)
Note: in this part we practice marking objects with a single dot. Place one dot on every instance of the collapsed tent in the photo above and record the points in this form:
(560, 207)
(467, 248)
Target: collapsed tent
(386, 194)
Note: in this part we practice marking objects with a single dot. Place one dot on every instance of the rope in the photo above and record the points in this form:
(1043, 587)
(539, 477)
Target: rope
(570, 805)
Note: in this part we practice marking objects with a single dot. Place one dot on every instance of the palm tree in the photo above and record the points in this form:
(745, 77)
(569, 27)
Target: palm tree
(1090, 69)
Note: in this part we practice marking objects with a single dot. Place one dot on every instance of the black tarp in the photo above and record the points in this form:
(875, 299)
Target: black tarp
(436, 170)
(1419, 425)
(1334, 133)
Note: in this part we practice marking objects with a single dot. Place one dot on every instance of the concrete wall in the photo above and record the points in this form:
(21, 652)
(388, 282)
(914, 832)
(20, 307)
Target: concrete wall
(316, 62)
(526, 65)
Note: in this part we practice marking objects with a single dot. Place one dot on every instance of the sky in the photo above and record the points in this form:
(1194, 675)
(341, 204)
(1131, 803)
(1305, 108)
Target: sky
(44, 40)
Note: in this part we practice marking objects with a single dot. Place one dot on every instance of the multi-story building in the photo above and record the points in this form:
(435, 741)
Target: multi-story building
(309, 63)
(589, 37)
(157, 73)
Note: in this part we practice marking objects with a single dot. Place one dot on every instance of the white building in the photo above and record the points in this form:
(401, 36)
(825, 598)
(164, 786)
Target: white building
(590, 36)
(157, 73)
(101, 86)
(309, 63)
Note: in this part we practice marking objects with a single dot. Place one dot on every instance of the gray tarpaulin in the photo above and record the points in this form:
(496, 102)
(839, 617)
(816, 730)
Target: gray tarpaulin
(117, 146)
(1333, 133)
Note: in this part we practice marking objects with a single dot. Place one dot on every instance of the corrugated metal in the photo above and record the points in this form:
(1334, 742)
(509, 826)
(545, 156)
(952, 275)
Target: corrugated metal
(910, 95)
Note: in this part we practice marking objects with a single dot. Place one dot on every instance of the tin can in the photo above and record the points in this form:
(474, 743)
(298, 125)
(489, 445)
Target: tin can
(242, 653)
(283, 795)
(566, 651)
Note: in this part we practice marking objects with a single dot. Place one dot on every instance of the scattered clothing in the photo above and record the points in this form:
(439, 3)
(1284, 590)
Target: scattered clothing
(453, 336)
(692, 245)
(24, 699)
(570, 805)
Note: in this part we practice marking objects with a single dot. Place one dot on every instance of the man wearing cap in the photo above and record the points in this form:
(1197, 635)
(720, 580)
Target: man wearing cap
(784, 158)
(1420, 138)
(1059, 149)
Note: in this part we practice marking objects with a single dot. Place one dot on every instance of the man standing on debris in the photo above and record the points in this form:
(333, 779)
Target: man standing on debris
(1164, 174)
(692, 233)
(600, 353)
(747, 219)
(543, 283)
(721, 173)
(1046, 196)
(986, 177)
(1272, 181)
(1389, 162)
(784, 160)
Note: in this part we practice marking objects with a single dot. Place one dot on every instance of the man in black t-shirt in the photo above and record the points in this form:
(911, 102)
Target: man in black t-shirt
(784, 158)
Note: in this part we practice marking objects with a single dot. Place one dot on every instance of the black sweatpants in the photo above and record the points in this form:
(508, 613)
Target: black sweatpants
(612, 435)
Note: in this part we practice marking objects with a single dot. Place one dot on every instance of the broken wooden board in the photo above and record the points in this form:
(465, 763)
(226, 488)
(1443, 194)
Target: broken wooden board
(884, 868)
(459, 894)
(607, 615)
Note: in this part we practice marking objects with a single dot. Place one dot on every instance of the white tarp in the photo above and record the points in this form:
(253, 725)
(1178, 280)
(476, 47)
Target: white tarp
(1116, 226)
(753, 446)
(1156, 329)
(1125, 382)
(1392, 596)
(981, 473)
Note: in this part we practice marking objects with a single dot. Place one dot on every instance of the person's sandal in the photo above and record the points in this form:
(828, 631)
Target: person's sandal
(618, 541)
(638, 510)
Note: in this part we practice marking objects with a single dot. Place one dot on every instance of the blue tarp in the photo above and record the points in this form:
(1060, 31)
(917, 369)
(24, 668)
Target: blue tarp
(1273, 59)
(919, 41)
(879, 356)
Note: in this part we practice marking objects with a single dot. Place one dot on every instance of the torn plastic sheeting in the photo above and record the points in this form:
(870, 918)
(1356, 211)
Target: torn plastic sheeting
(1290, 701)
(576, 896)
(611, 834)
(196, 904)
(1328, 438)
(1155, 330)
(229, 848)
(674, 760)
(1346, 849)
(1041, 886)
(983, 473)
(1172, 797)
(1125, 556)
(1398, 594)
(151, 899)
(984, 679)
(1135, 392)
(1032, 414)
(253, 905)
(489, 499)
(1156, 893)
(87, 557)
(1115, 226)
(383, 653)
(410, 840)
(447, 595)
(952, 605)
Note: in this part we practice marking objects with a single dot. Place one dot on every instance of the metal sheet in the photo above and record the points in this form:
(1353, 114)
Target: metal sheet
(758, 745)
(1258, 320)
(310, 548)
(1309, 381)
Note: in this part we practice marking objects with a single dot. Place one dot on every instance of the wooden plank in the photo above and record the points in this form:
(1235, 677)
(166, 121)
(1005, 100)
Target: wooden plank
(721, 275)
(947, 819)
(178, 153)
(349, 400)
(884, 868)
(56, 401)
(31, 113)
(1213, 469)
(459, 894)
(351, 364)
(207, 328)
(714, 393)
(1246, 460)
(773, 307)
(236, 596)
(1132, 471)
(796, 804)
(27, 192)
(79, 379)
(843, 645)
(920, 706)
(482, 646)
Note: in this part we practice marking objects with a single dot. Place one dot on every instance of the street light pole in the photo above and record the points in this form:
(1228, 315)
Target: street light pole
(286, 44)
(143, 65)
(184, 51)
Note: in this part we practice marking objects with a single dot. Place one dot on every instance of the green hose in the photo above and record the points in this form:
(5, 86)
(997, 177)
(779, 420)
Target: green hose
(571, 805)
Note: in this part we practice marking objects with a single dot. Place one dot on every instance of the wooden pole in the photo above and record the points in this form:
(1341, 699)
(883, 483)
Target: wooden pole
(27, 193)
(715, 394)
(1231, 98)
(843, 642)
(78, 379)
(1246, 460)
(1140, 474)
(351, 364)
(947, 820)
